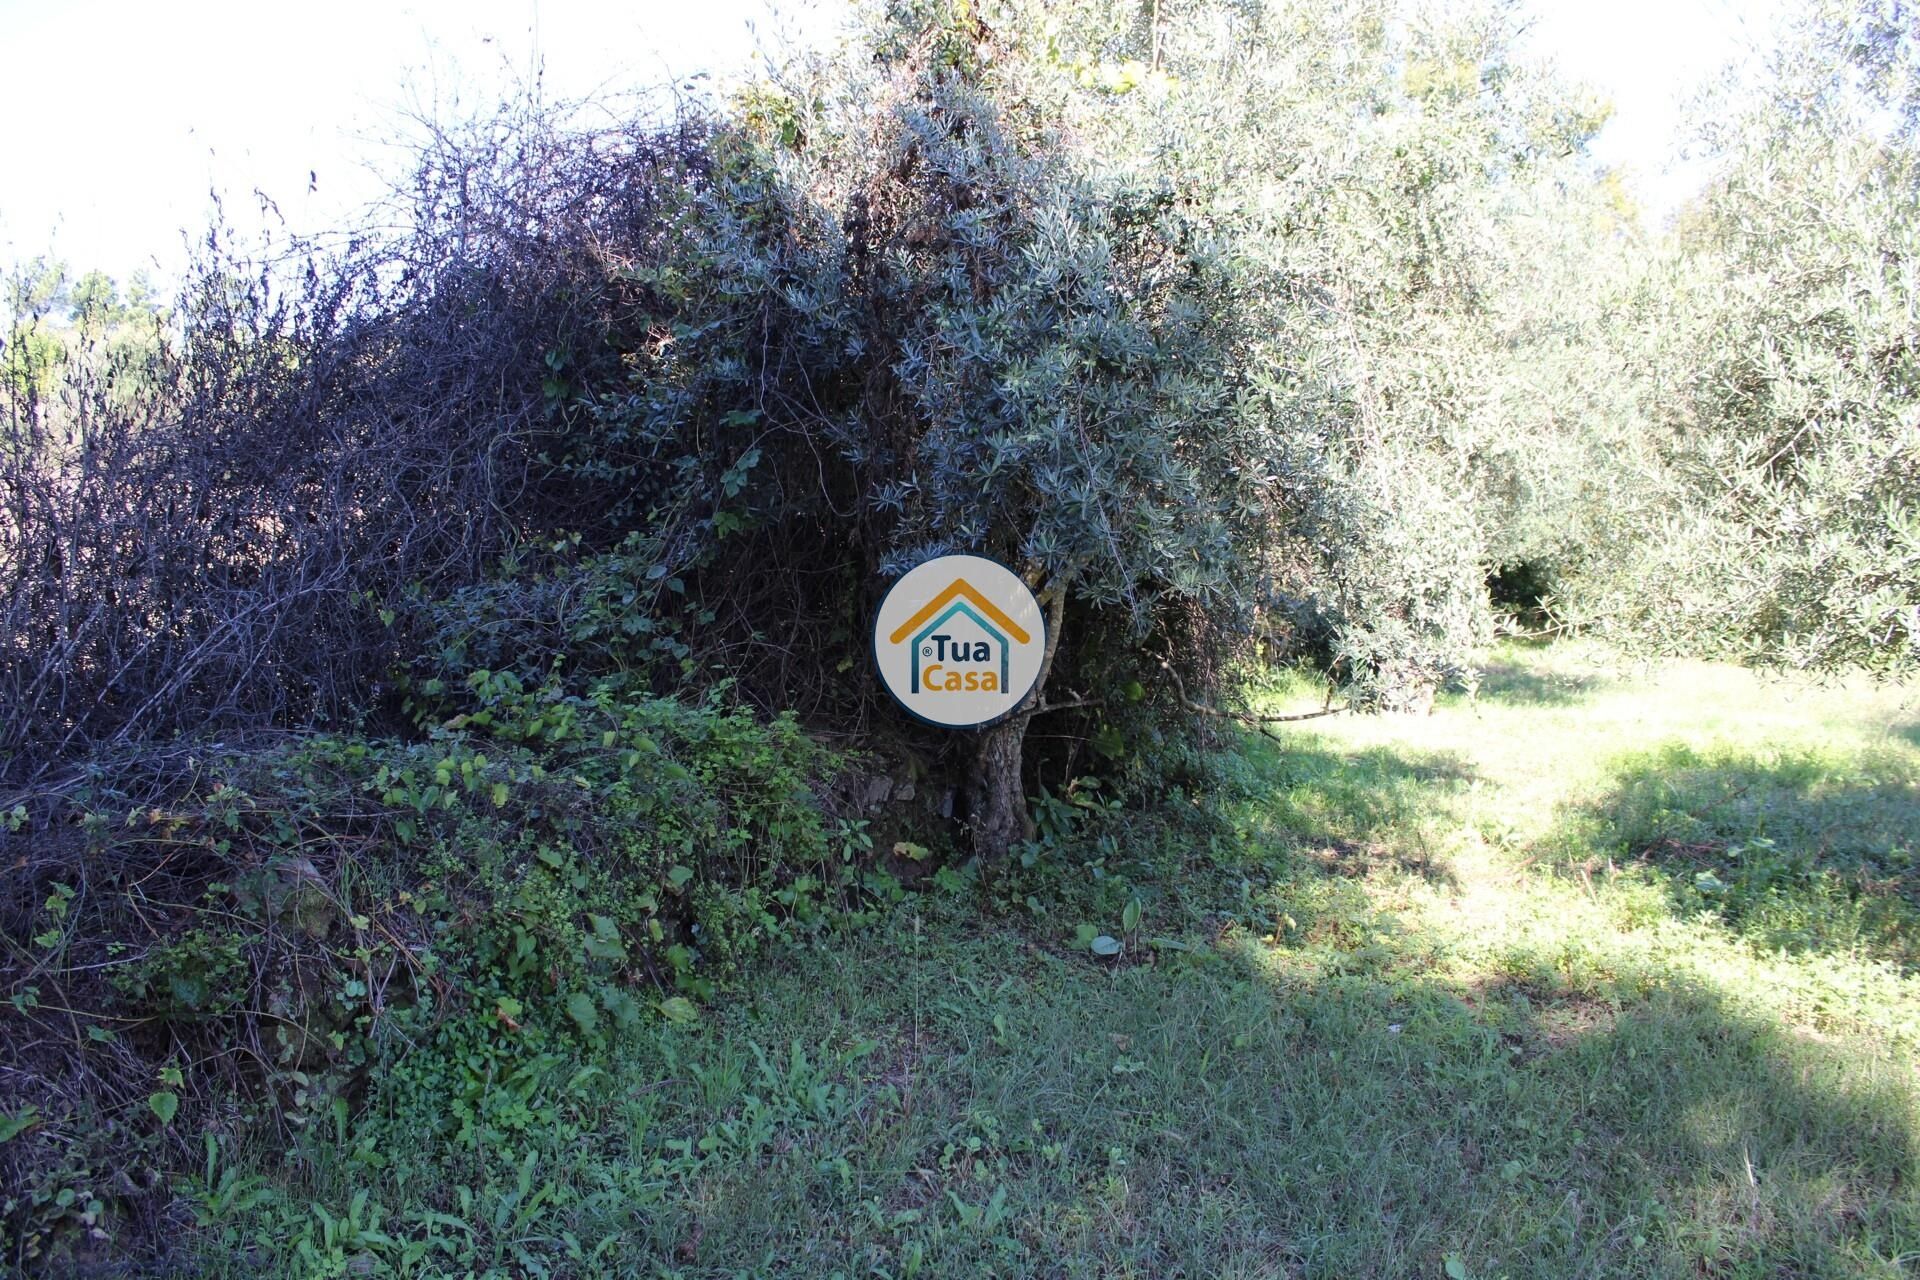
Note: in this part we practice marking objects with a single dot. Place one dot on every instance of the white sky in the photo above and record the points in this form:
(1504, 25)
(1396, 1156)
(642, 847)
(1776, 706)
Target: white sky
(1650, 57)
(122, 114)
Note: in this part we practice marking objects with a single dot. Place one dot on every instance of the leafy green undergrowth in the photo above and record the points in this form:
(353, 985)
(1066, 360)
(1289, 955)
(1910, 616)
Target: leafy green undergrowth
(1371, 1004)
(301, 940)
(937, 1099)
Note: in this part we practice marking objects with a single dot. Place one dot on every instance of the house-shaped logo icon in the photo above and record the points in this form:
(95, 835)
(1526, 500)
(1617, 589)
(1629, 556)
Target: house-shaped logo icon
(960, 599)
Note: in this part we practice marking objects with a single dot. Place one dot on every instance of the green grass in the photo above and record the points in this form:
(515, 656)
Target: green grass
(1432, 997)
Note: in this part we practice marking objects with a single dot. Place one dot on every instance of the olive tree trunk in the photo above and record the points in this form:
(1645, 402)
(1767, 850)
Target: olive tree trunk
(996, 800)
(996, 807)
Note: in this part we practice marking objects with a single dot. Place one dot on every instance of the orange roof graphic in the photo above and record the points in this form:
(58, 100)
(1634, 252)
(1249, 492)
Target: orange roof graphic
(960, 587)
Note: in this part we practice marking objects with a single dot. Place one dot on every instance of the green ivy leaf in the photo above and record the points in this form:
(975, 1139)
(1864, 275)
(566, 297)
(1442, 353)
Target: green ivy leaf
(12, 1126)
(624, 1008)
(604, 943)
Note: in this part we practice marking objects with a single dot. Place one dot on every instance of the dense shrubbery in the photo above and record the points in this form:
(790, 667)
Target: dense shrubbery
(284, 926)
(215, 538)
(1004, 287)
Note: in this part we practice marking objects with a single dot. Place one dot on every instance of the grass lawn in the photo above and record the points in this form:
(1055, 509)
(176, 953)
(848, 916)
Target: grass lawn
(1603, 972)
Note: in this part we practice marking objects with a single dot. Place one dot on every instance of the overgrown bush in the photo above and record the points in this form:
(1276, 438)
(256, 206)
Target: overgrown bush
(209, 539)
(915, 317)
(254, 938)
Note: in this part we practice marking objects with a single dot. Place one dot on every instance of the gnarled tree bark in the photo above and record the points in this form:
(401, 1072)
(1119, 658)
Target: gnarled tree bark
(996, 800)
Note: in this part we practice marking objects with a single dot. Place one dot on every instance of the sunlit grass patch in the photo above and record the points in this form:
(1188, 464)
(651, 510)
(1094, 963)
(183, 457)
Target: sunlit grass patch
(1797, 848)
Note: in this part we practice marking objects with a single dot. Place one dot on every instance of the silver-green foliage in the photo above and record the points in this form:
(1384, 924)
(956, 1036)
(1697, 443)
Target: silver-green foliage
(1198, 308)
(938, 318)
(1783, 362)
(1401, 178)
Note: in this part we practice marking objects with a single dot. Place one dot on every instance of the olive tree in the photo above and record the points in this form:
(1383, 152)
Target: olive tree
(929, 318)
(1419, 198)
(1781, 384)
(1191, 313)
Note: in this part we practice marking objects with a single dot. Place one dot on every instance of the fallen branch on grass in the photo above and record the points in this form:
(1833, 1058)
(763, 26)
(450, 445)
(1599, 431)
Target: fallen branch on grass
(1246, 717)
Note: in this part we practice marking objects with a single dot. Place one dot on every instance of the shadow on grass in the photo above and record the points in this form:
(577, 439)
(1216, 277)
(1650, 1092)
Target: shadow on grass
(1516, 685)
(1356, 811)
(1330, 1103)
(1800, 849)
(1535, 1131)
(1252, 1111)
